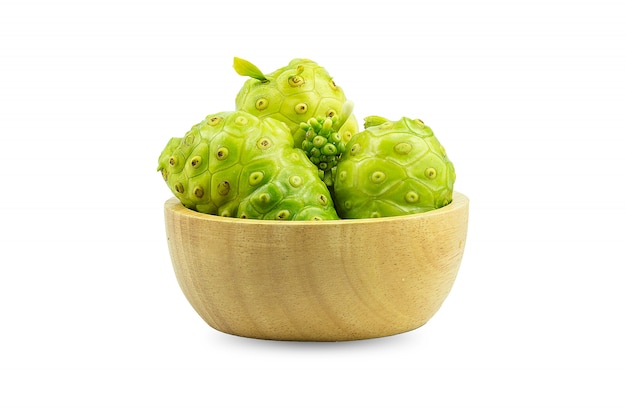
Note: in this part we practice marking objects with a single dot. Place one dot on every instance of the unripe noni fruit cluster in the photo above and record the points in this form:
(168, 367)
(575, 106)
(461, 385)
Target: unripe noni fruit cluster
(291, 150)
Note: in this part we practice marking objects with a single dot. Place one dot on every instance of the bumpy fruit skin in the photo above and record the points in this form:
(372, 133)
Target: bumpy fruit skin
(293, 94)
(323, 146)
(235, 165)
(391, 169)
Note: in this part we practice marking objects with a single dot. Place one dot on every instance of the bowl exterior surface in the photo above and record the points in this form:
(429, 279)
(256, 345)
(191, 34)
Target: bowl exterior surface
(317, 281)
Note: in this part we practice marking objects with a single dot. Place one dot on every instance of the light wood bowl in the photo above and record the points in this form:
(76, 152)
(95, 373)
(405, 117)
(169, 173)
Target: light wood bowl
(317, 280)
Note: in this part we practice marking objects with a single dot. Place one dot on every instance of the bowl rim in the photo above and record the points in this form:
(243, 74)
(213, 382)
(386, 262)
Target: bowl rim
(459, 201)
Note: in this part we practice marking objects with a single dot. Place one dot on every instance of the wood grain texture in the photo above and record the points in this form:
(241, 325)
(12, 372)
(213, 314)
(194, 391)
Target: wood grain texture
(317, 281)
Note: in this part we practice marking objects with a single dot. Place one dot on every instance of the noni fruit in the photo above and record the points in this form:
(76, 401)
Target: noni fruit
(392, 168)
(293, 94)
(236, 165)
(322, 142)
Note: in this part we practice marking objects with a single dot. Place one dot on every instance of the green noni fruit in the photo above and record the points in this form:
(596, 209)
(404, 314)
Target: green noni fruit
(294, 94)
(392, 168)
(322, 143)
(236, 165)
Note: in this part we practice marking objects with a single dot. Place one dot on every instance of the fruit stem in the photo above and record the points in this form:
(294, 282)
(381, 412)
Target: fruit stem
(374, 121)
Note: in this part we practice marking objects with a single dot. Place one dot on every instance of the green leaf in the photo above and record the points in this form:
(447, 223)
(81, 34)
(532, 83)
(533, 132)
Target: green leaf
(248, 69)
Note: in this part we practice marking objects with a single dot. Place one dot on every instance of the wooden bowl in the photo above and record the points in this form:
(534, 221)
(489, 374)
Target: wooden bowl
(317, 280)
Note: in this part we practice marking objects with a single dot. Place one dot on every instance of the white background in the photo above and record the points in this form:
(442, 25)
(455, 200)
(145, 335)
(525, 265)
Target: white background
(528, 97)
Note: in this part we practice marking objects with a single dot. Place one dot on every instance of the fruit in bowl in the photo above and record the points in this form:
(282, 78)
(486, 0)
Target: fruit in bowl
(288, 223)
(236, 165)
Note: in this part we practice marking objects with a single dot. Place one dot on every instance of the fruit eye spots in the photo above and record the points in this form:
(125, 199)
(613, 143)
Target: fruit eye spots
(198, 192)
(347, 135)
(265, 198)
(241, 121)
(356, 148)
(165, 174)
(195, 161)
(343, 175)
(377, 177)
(322, 199)
(189, 140)
(332, 84)
(296, 81)
(255, 178)
(179, 188)
(430, 173)
(222, 153)
(264, 143)
(215, 120)
(261, 104)
(411, 197)
(347, 204)
(403, 148)
(331, 113)
(172, 160)
(295, 157)
(295, 181)
(282, 215)
(419, 122)
(329, 149)
(301, 108)
(223, 188)
(319, 141)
